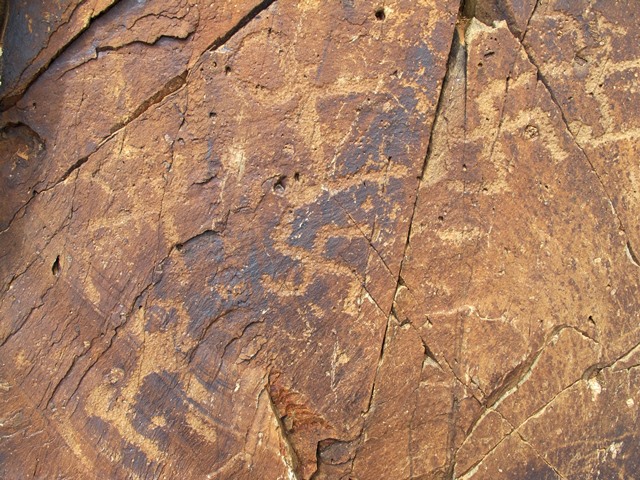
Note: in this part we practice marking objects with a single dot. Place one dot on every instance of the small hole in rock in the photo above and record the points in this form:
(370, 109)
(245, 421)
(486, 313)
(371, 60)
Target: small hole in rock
(280, 186)
(179, 247)
(296, 176)
(227, 70)
(580, 61)
(55, 268)
(212, 114)
(531, 131)
(380, 14)
(441, 218)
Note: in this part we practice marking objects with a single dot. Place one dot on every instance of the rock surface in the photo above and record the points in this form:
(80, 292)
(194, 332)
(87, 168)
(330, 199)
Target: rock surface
(329, 240)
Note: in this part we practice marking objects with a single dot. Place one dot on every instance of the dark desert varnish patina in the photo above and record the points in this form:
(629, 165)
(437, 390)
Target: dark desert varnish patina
(337, 239)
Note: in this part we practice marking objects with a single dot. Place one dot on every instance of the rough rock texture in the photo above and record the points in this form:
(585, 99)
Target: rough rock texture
(332, 239)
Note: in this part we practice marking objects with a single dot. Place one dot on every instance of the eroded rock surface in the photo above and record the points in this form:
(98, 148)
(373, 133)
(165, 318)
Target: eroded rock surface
(330, 240)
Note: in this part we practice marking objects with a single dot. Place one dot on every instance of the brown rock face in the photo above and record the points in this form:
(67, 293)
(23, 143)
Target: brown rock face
(320, 239)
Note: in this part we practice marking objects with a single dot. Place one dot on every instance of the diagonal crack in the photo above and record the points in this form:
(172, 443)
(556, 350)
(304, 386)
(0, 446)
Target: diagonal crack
(537, 413)
(380, 357)
(291, 459)
(364, 235)
(451, 61)
(456, 46)
(10, 98)
(526, 27)
(539, 455)
(632, 254)
(243, 22)
(469, 9)
(543, 80)
(116, 329)
(108, 48)
(168, 89)
(171, 87)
